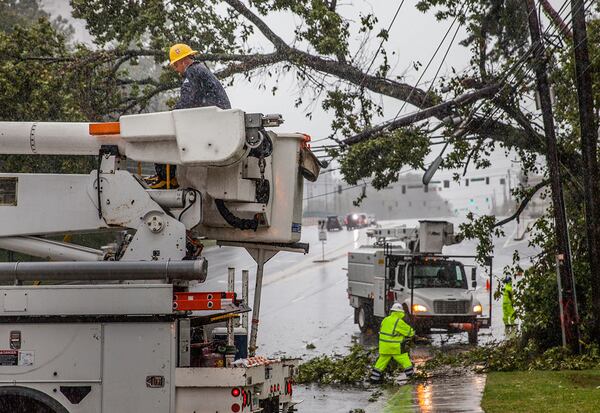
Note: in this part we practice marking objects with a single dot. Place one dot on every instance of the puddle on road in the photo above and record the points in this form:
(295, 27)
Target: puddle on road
(454, 391)
(459, 393)
(331, 399)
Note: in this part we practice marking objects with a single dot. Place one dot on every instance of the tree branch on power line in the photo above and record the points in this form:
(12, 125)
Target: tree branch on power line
(555, 18)
(439, 111)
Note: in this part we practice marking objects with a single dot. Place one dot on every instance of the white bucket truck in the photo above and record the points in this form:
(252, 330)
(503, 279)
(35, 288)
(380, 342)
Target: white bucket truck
(124, 329)
(406, 265)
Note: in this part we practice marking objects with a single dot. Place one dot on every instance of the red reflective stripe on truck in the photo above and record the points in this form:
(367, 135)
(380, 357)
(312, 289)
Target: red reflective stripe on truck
(208, 295)
(198, 305)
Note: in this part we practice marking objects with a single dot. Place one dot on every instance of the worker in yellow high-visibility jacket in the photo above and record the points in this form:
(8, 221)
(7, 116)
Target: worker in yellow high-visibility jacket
(508, 310)
(392, 338)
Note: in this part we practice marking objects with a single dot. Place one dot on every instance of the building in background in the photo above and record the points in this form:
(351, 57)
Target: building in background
(488, 192)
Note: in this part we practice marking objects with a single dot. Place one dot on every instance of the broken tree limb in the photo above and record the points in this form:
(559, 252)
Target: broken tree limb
(439, 111)
(523, 204)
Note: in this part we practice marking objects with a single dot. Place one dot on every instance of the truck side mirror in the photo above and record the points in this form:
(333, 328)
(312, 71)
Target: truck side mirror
(473, 274)
(474, 284)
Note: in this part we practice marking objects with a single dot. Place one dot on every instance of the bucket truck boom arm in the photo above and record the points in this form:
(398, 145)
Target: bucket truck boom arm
(241, 182)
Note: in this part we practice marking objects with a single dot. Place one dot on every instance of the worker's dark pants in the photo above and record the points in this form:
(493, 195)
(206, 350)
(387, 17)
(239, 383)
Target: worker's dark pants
(161, 170)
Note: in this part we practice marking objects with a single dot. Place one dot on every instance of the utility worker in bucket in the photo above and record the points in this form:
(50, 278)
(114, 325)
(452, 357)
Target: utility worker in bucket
(199, 88)
(508, 311)
(393, 335)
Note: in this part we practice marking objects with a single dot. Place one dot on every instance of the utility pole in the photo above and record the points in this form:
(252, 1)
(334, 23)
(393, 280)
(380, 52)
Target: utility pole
(589, 140)
(568, 301)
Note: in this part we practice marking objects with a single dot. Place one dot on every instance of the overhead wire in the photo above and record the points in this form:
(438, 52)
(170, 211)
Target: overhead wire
(366, 72)
(381, 43)
(490, 113)
(347, 188)
(365, 183)
(506, 80)
(431, 60)
(439, 46)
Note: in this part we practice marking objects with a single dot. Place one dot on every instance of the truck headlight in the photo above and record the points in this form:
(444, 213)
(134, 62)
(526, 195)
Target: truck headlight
(477, 308)
(418, 308)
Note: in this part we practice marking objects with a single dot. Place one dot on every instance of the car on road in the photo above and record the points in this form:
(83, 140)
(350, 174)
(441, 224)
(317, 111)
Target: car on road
(356, 220)
(371, 220)
(333, 223)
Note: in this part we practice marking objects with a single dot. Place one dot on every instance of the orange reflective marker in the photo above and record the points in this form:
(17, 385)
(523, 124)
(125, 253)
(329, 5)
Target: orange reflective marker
(106, 128)
(306, 141)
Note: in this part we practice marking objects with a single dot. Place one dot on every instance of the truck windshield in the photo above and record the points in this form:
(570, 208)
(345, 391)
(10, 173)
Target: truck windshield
(438, 275)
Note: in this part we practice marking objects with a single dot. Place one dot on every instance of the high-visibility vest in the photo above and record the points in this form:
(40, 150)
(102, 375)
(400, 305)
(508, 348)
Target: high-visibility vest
(392, 333)
(508, 311)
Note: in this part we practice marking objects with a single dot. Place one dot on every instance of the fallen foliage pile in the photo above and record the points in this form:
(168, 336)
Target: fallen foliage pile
(350, 369)
(510, 356)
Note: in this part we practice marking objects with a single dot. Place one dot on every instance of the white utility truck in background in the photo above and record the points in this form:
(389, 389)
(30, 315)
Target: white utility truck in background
(129, 328)
(406, 265)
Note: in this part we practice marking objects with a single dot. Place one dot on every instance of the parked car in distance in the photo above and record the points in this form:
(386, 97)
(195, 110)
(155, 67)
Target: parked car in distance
(356, 220)
(333, 223)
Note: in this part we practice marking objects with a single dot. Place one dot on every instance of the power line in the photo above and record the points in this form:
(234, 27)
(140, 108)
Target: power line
(366, 73)
(490, 113)
(511, 72)
(431, 60)
(505, 77)
(381, 43)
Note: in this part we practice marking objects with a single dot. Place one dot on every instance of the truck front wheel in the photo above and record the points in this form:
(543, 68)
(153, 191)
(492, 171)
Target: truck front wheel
(365, 318)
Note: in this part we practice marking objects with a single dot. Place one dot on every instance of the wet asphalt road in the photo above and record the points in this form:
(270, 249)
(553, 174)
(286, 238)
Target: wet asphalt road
(302, 301)
(306, 302)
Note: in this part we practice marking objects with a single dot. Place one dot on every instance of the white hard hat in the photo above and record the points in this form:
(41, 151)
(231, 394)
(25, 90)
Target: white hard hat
(397, 307)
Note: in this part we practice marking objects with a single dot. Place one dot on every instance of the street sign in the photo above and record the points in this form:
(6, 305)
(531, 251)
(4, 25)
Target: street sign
(322, 231)
(322, 238)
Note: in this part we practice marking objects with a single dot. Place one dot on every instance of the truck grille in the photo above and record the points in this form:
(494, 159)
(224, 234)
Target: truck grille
(450, 307)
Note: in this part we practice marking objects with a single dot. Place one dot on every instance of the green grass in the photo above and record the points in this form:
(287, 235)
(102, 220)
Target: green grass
(542, 391)
(401, 401)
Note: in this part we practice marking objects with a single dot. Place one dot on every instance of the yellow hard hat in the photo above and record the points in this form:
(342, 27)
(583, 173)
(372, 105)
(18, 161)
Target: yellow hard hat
(179, 51)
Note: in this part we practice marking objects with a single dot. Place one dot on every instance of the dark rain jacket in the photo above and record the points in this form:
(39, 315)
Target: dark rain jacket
(201, 88)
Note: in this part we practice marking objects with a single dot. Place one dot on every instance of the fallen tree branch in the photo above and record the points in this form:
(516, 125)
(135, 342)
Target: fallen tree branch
(443, 109)
(339, 69)
(532, 191)
(249, 64)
